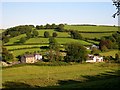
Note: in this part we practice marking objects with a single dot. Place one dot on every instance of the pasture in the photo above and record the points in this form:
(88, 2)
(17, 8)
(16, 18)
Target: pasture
(94, 35)
(24, 46)
(70, 76)
(14, 40)
(22, 51)
(92, 28)
(110, 53)
(97, 75)
(67, 40)
(60, 34)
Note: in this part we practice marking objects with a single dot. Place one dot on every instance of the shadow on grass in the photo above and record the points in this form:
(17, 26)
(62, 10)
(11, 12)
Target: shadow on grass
(109, 79)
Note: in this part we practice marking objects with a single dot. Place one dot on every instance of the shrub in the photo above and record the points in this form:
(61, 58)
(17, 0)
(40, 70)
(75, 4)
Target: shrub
(46, 34)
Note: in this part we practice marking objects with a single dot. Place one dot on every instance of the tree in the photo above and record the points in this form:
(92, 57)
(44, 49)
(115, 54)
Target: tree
(47, 26)
(75, 34)
(117, 5)
(29, 35)
(53, 26)
(117, 56)
(60, 28)
(95, 50)
(54, 34)
(54, 49)
(37, 27)
(53, 43)
(22, 40)
(41, 27)
(31, 26)
(5, 39)
(108, 43)
(46, 34)
(75, 52)
(104, 48)
(6, 55)
(35, 33)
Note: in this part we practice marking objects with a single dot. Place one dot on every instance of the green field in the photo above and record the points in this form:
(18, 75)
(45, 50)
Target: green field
(86, 75)
(94, 42)
(110, 53)
(60, 34)
(37, 40)
(23, 46)
(59, 40)
(92, 28)
(95, 35)
(15, 39)
(67, 40)
(80, 75)
(20, 52)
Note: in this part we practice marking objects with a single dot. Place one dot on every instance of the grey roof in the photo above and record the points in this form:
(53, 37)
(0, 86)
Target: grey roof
(29, 55)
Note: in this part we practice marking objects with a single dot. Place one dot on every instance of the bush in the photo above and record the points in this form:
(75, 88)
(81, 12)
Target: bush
(46, 34)
(54, 34)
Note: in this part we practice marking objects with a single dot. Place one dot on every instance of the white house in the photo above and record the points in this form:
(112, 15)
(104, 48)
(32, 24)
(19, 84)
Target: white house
(38, 56)
(94, 46)
(93, 58)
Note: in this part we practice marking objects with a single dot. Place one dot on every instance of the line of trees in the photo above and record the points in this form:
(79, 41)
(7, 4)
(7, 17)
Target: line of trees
(47, 34)
(110, 42)
(15, 31)
(59, 27)
(75, 34)
(29, 30)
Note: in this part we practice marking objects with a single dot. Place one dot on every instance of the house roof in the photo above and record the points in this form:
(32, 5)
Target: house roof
(28, 55)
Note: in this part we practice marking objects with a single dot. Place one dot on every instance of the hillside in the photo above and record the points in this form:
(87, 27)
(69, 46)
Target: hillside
(33, 44)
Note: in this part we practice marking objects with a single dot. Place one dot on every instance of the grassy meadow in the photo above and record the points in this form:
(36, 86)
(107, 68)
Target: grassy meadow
(86, 75)
(110, 53)
(92, 28)
(71, 76)
(95, 35)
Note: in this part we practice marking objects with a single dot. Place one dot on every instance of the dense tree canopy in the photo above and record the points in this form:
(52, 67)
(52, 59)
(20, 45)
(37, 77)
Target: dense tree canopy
(75, 52)
(6, 56)
(110, 42)
(15, 31)
(75, 34)
(35, 33)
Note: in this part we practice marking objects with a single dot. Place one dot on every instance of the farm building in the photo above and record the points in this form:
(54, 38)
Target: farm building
(31, 58)
(38, 56)
(94, 58)
(94, 46)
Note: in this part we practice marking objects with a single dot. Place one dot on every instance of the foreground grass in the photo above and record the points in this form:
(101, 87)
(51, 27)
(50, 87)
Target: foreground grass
(79, 75)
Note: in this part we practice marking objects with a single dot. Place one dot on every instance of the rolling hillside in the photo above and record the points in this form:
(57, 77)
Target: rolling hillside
(34, 44)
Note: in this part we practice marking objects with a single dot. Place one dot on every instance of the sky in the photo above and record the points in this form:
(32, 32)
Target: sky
(37, 13)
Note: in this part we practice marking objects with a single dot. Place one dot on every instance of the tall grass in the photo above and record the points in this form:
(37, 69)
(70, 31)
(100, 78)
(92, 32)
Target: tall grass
(50, 75)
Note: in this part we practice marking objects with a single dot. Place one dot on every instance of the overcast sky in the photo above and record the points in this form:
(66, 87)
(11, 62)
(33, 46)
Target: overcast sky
(37, 13)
